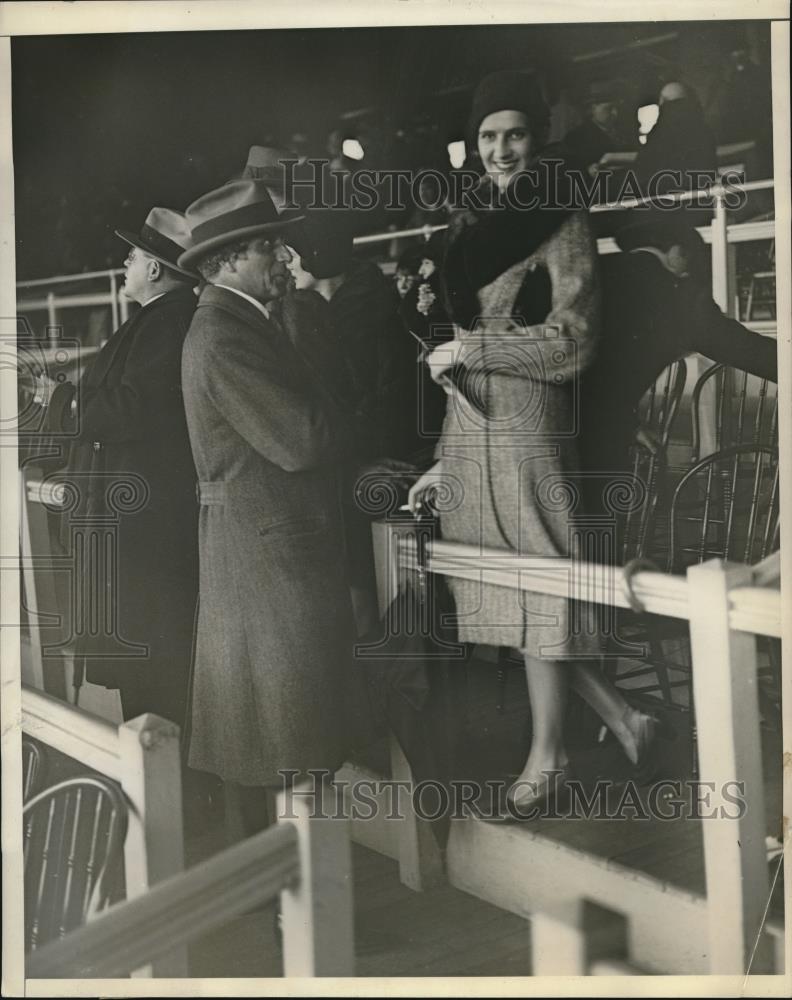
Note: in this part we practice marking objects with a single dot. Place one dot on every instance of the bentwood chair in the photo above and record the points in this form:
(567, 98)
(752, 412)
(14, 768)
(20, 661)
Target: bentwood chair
(32, 767)
(660, 404)
(642, 525)
(74, 837)
(740, 417)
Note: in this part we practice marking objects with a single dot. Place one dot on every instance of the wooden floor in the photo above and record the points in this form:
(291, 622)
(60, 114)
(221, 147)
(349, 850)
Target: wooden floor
(448, 932)
(398, 932)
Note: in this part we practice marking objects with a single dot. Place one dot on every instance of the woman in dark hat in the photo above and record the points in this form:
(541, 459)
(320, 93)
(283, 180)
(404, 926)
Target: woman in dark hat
(522, 289)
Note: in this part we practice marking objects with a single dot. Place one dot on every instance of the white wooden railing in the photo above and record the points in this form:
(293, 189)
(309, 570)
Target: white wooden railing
(304, 859)
(727, 606)
(579, 937)
(143, 756)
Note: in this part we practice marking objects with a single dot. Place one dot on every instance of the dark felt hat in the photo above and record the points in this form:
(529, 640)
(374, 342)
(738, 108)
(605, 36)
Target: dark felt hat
(508, 90)
(238, 210)
(165, 236)
(605, 92)
(656, 228)
(323, 239)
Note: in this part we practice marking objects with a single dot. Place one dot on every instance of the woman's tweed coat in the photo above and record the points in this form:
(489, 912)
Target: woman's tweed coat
(510, 473)
(273, 644)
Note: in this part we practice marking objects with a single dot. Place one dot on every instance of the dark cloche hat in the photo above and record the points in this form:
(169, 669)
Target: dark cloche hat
(507, 90)
(323, 240)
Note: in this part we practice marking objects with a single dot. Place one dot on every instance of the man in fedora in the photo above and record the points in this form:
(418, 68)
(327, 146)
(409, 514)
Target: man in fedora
(130, 470)
(274, 628)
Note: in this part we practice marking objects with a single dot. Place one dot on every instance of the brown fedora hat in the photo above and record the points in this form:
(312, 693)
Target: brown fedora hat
(237, 210)
(165, 236)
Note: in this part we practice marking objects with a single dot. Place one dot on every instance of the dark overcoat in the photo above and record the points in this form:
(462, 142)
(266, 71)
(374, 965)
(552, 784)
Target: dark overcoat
(273, 642)
(650, 318)
(131, 515)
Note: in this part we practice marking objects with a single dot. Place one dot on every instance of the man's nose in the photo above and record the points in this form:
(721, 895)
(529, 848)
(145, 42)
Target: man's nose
(284, 255)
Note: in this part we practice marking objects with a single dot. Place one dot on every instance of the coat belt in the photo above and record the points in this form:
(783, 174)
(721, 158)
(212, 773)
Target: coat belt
(211, 494)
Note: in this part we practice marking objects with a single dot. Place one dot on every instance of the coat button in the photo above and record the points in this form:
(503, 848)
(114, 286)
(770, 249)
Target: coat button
(97, 446)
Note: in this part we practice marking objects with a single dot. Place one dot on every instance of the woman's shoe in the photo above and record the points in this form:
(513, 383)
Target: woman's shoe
(647, 730)
(525, 799)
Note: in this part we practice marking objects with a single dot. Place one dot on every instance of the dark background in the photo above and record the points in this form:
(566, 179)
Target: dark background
(106, 126)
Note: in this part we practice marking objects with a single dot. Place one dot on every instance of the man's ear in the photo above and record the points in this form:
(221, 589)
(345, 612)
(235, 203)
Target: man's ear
(154, 270)
(677, 261)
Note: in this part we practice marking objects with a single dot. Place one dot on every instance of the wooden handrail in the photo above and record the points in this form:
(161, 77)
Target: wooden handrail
(72, 731)
(176, 910)
(142, 755)
(62, 278)
(754, 609)
(768, 570)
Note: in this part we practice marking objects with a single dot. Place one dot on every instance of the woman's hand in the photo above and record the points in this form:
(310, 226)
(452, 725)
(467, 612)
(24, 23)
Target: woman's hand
(429, 481)
(443, 357)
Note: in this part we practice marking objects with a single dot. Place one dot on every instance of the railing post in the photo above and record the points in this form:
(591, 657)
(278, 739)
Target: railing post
(52, 319)
(318, 926)
(385, 541)
(114, 299)
(568, 939)
(420, 861)
(720, 256)
(421, 864)
(730, 758)
(150, 764)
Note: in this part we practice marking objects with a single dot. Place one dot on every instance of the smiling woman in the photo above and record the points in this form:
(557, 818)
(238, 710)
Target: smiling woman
(505, 145)
(500, 463)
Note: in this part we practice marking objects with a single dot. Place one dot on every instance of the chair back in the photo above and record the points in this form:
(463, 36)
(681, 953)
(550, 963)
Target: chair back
(660, 404)
(741, 418)
(32, 768)
(636, 530)
(726, 506)
(74, 837)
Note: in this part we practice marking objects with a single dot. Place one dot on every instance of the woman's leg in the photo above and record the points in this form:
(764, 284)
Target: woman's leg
(622, 719)
(547, 689)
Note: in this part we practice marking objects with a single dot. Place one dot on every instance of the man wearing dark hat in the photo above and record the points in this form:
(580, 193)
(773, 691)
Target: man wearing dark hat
(657, 307)
(593, 138)
(130, 471)
(679, 153)
(343, 319)
(273, 637)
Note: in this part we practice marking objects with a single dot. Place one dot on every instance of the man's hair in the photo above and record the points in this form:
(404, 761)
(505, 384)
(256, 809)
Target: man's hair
(210, 265)
(180, 279)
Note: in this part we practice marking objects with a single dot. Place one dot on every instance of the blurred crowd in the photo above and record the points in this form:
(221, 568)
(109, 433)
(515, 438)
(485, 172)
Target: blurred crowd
(592, 121)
